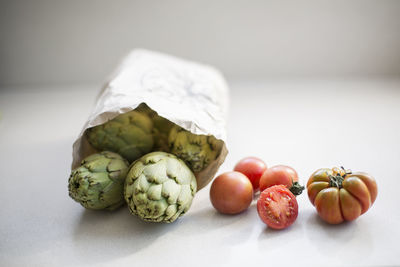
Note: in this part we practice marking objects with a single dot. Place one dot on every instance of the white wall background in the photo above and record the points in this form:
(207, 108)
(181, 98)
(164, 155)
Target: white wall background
(81, 41)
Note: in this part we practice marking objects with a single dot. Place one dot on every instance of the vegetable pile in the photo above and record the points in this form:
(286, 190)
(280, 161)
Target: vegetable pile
(143, 160)
(338, 194)
(149, 163)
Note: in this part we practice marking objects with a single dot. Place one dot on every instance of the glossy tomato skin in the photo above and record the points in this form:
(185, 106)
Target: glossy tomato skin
(253, 168)
(277, 207)
(328, 205)
(231, 193)
(279, 174)
(341, 201)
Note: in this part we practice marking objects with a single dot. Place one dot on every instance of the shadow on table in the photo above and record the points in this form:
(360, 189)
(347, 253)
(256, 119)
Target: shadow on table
(341, 239)
(317, 228)
(326, 237)
(209, 219)
(101, 236)
(280, 238)
(231, 229)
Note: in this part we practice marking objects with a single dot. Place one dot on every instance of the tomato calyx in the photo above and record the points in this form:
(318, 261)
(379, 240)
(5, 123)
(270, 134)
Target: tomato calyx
(296, 188)
(336, 180)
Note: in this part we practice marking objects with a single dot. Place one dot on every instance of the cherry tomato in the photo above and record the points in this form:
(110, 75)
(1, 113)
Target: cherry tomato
(281, 174)
(231, 193)
(277, 207)
(253, 168)
(340, 195)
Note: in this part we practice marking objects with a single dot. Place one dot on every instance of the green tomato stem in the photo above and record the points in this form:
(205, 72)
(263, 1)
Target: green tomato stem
(296, 188)
(337, 180)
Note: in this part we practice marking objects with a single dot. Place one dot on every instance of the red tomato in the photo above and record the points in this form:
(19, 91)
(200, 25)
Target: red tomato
(231, 193)
(253, 168)
(277, 207)
(281, 174)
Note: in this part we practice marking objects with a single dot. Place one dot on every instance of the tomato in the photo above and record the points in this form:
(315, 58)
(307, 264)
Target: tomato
(253, 168)
(231, 193)
(340, 195)
(281, 174)
(277, 207)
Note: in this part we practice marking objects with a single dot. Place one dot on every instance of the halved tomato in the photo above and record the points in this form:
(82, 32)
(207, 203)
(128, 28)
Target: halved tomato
(277, 207)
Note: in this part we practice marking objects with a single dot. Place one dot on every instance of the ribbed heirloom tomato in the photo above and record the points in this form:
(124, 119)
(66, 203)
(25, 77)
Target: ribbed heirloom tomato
(340, 195)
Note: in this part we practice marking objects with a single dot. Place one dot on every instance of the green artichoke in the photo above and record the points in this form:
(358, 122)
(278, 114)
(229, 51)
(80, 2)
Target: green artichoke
(129, 134)
(159, 187)
(161, 128)
(99, 182)
(143, 108)
(196, 150)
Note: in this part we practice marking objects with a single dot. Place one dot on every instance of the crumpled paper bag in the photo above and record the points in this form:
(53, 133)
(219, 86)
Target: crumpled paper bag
(189, 94)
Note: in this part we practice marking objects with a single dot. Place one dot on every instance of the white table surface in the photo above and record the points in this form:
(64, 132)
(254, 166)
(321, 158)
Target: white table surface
(304, 124)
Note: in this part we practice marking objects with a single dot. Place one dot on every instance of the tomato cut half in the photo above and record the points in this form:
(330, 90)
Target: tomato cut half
(277, 207)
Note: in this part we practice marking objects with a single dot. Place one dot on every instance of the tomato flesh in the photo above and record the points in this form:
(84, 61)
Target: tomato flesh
(277, 207)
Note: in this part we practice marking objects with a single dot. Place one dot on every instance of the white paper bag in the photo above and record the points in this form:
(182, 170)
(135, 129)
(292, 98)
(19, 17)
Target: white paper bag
(191, 95)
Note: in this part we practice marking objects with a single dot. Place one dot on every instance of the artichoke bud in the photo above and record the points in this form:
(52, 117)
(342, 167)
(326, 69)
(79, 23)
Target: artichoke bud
(145, 109)
(198, 151)
(99, 182)
(161, 128)
(129, 134)
(159, 187)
